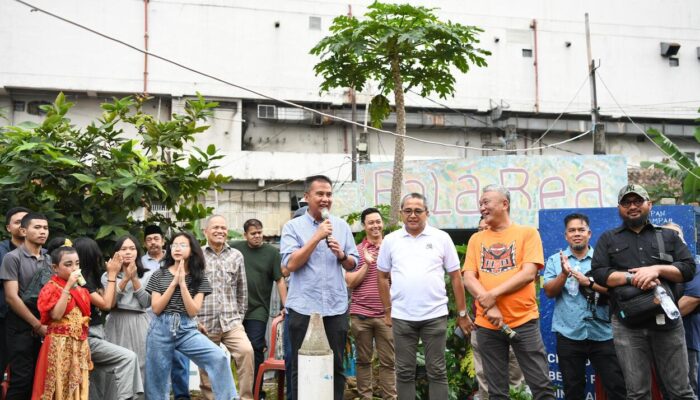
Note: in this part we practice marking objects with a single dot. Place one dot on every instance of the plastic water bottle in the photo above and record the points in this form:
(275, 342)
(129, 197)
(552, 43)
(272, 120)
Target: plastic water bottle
(572, 282)
(510, 333)
(666, 303)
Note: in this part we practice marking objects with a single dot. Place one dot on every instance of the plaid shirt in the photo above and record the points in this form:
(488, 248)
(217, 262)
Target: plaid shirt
(225, 307)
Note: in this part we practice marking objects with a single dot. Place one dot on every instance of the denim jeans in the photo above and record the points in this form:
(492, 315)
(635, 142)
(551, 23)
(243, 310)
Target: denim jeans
(693, 369)
(432, 333)
(170, 332)
(639, 349)
(180, 376)
(528, 349)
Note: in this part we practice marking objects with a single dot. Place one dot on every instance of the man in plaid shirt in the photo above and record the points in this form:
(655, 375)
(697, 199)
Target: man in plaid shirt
(221, 316)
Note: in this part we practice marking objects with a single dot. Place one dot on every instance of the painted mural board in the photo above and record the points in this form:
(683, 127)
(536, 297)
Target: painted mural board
(453, 187)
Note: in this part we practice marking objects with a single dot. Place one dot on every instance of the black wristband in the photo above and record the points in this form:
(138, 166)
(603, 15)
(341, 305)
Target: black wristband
(345, 257)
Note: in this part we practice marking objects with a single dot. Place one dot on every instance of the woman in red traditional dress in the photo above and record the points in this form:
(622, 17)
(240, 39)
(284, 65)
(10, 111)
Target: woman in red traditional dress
(64, 361)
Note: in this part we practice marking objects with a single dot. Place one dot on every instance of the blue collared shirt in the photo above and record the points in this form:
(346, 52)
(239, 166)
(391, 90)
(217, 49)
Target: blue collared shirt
(572, 317)
(319, 285)
(150, 263)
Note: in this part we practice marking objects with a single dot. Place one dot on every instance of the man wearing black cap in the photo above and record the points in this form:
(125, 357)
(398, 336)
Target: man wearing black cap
(153, 239)
(633, 260)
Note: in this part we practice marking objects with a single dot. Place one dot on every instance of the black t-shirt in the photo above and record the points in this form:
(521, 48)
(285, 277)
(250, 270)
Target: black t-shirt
(159, 282)
(97, 316)
(621, 249)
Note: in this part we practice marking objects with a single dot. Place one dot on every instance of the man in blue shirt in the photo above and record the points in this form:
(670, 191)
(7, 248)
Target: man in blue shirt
(687, 305)
(316, 248)
(580, 321)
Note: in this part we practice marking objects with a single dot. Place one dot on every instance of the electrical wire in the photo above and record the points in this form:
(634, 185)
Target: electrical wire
(339, 166)
(289, 103)
(639, 128)
(562, 113)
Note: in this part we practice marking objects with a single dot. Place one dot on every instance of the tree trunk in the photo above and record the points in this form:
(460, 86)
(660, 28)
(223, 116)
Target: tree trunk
(399, 147)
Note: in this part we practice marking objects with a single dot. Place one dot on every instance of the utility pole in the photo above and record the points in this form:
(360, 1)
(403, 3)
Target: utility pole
(597, 127)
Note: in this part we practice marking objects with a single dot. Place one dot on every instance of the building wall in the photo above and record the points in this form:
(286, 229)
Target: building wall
(238, 41)
(263, 46)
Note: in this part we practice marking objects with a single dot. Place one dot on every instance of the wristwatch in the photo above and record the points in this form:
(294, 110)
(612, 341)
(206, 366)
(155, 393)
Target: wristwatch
(628, 278)
(463, 313)
(590, 285)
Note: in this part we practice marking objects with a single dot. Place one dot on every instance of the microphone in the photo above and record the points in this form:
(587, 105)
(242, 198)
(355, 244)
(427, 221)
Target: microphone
(325, 214)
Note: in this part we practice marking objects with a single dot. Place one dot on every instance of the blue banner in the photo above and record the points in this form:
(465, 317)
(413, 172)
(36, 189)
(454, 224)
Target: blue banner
(551, 227)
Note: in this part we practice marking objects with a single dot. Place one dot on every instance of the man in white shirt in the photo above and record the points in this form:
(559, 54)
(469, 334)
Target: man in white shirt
(414, 259)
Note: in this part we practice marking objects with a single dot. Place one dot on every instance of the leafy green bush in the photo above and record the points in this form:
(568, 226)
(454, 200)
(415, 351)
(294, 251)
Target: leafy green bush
(89, 181)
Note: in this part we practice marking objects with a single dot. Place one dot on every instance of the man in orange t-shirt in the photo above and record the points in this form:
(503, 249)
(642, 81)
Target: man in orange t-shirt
(499, 271)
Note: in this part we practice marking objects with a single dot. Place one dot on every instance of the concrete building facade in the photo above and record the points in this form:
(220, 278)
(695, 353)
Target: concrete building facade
(536, 82)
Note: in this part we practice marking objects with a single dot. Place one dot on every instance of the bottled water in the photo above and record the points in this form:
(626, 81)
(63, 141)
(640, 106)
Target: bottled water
(572, 283)
(666, 303)
(510, 333)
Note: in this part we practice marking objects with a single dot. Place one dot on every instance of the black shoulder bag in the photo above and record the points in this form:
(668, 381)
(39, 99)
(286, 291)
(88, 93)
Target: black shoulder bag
(636, 305)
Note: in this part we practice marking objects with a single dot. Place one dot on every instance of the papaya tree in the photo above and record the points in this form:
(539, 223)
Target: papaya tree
(400, 47)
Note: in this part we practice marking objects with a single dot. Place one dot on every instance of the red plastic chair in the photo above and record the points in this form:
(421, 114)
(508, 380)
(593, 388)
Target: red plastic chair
(272, 363)
(5, 384)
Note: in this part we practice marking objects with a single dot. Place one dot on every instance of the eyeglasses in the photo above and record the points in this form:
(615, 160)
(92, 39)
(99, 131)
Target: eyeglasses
(625, 203)
(407, 212)
(180, 245)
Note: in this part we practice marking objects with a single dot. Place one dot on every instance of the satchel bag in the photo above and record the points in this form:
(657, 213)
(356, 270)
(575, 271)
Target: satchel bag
(636, 305)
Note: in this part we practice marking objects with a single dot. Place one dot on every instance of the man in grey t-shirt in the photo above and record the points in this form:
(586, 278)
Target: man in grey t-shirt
(24, 330)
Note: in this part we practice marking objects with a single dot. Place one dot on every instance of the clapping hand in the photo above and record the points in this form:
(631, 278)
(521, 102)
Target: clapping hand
(114, 264)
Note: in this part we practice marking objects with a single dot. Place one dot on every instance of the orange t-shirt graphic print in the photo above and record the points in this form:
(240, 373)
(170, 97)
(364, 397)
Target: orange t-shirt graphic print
(496, 257)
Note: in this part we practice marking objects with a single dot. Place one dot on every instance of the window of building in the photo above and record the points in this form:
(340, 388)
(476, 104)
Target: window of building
(34, 107)
(18, 106)
(673, 61)
(527, 52)
(315, 23)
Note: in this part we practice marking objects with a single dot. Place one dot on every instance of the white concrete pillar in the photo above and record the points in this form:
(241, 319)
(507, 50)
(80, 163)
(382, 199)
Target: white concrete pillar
(315, 359)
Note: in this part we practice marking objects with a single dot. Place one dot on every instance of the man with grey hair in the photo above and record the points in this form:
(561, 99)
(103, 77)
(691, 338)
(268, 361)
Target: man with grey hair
(222, 313)
(499, 271)
(415, 259)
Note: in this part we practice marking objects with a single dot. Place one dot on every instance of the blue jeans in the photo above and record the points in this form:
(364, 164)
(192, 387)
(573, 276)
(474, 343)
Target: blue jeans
(170, 332)
(180, 376)
(639, 349)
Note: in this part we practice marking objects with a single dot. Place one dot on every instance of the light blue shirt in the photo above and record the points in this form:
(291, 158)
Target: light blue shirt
(572, 317)
(150, 263)
(319, 285)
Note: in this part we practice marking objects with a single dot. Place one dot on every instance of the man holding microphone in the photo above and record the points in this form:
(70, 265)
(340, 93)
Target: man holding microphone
(316, 248)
